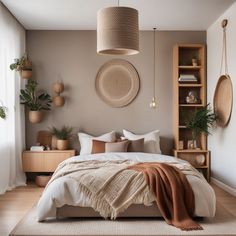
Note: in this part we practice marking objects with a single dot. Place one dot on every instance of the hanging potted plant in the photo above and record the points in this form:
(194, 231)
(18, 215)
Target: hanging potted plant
(63, 136)
(199, 122)
(3, 112)
(24, 66)
(35, 101)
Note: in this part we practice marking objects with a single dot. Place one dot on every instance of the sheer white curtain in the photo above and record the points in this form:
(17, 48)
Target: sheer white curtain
(12, 130)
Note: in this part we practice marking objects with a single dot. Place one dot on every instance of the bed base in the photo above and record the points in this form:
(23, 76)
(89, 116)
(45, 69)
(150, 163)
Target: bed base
(136, 210)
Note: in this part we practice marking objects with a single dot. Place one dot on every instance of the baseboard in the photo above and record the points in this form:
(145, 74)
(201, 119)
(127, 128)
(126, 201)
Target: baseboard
(225, 187)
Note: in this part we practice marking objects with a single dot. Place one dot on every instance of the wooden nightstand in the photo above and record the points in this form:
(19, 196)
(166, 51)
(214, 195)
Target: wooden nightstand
(45, 161)
(190, 156)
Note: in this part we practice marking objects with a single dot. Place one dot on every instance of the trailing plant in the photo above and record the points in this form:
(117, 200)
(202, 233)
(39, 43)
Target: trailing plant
(201, 121)
(22, 63)
(64, 133)
(3, 112)
(34, 100)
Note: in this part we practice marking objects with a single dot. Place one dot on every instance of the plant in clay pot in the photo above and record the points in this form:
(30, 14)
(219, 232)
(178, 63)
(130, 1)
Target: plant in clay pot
(36, 101)
(24, 66)
(199, 122)
(63, 136)
(3, 112)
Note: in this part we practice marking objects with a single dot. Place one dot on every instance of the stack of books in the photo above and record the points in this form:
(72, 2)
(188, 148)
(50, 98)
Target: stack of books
(187, 78)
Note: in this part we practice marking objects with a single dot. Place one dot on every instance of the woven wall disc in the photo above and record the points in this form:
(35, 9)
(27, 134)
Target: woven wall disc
(117, 83)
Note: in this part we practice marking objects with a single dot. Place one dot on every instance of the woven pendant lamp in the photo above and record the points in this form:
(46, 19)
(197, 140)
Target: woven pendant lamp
(117, 31)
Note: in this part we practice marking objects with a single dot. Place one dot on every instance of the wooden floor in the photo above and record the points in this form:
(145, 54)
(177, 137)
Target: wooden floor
(15, 204)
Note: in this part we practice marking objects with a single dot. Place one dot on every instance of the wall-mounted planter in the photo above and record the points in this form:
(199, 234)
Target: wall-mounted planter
(35, 116)
(24, 66)
(26, 74)
(58, 101)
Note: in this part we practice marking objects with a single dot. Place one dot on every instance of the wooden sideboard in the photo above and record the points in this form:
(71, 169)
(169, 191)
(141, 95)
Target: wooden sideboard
(44, 161)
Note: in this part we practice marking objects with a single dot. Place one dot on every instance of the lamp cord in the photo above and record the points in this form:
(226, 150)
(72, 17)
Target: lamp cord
(154, 60)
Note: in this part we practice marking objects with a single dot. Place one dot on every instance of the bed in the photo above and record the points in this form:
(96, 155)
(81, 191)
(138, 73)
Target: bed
(63, 198)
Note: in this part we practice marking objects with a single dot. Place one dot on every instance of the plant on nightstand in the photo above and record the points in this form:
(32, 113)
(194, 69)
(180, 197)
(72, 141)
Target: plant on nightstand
(200, 121)
(63, 135)
(35, 101)
(24, 66)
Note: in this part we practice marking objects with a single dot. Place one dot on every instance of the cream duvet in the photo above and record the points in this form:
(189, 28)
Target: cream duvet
(77, 178)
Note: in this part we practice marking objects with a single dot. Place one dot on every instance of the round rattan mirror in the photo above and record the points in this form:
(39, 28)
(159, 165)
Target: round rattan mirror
(223, 100)
(223, 97)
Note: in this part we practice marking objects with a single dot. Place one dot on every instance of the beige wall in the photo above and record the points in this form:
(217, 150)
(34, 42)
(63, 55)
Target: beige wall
(222, 142)
(71, 56)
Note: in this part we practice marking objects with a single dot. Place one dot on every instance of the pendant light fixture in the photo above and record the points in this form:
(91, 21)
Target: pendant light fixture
(117, 31)
(153, 103)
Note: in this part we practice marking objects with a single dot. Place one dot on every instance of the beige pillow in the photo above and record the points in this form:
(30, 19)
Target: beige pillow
(102, 147)
(136, 145)
(117, 147)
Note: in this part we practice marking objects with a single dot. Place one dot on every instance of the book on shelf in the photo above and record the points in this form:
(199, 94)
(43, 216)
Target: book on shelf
(187, 78)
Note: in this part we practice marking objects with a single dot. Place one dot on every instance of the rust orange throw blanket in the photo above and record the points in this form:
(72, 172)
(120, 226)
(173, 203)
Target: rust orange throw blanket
(173, 193)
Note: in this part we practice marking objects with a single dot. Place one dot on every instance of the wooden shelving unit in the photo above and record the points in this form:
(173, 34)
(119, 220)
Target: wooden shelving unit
(182, 64)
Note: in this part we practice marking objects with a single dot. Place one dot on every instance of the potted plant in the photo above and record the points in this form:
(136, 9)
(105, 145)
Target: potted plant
(24, 66)
(3, 112)
(200, 122)
(35, 101)
(63, 135)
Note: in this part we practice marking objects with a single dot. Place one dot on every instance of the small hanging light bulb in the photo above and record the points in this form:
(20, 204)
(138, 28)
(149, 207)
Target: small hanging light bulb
(153, 103)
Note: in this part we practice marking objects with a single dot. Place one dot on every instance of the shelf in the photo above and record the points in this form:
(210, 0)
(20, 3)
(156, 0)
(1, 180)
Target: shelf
(192, 151)
(190, 85)
(191, 105)
(190, 67)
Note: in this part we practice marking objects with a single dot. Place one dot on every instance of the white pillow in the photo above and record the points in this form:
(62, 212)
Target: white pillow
(86, 141)
(151, 140)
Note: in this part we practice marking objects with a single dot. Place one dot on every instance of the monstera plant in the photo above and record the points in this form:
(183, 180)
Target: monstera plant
(36, 101)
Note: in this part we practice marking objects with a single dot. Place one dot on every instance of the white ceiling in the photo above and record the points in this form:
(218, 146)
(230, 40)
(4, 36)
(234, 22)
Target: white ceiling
(81, 14)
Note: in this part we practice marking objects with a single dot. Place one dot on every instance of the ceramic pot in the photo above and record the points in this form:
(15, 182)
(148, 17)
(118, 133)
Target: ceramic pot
(54, 143)
(194, 62)
(58, 101)
(26, 74)
(35, 116)
(58, 87)
(62, 144)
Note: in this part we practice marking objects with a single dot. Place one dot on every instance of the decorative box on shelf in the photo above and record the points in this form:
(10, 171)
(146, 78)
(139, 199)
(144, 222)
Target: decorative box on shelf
(44, 161)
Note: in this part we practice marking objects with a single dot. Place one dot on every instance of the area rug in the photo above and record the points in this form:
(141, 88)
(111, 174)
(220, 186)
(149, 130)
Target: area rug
(224, 223)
